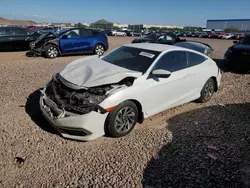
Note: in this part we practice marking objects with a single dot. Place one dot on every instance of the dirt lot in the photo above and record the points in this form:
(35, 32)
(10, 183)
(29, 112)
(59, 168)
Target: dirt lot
(195, 145)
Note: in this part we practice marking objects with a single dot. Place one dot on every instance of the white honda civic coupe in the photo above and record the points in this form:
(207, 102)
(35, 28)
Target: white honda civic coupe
(94, 96)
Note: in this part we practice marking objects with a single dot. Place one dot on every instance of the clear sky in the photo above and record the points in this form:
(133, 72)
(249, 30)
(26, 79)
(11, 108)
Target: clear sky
(167, 12)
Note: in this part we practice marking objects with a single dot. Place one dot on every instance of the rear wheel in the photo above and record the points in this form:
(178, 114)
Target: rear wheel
(51, 51)
(207, 91)
(122, 119)
(99, 49)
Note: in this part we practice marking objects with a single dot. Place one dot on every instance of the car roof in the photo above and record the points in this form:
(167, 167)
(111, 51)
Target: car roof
(155, 47)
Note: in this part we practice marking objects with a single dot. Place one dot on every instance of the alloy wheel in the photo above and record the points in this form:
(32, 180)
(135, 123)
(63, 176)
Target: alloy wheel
(209, 89)
(125, 119)
(99, 50)
(52, 52)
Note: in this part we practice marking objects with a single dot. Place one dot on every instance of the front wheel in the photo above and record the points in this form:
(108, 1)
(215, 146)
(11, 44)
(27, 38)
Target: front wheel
(51, 51)
(99, 49)
(122, 119)
(207, 91)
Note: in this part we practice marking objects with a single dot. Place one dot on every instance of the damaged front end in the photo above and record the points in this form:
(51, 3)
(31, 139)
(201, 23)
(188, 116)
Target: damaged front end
(61, 98)
(37, 47)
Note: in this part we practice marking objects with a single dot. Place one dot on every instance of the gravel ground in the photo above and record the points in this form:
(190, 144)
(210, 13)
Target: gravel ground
(194, 145)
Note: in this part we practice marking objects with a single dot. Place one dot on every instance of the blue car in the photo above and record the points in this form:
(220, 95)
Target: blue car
(70, 41)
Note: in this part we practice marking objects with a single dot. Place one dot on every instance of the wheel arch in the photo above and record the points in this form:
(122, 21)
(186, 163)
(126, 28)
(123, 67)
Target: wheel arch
(53, 44)
(216, 83)
(101, 43)
(140, 111)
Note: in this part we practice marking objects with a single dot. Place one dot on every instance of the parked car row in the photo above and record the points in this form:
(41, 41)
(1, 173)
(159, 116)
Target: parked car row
(99, 95)
(123, 33)
(218, 35)
(53, 44)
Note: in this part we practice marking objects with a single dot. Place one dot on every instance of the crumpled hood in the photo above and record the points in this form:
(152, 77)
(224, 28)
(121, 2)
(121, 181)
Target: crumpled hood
(43, 36)
(93, 71)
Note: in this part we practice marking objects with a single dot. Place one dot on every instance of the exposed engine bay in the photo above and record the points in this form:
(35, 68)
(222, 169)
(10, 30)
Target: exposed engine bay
(84, 100)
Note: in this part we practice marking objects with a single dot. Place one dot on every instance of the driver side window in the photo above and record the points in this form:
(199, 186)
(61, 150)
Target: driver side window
(73, 33)
(172, 61)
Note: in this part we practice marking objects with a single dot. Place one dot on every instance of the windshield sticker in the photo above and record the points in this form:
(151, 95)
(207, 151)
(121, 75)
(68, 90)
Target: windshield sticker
(146, 54)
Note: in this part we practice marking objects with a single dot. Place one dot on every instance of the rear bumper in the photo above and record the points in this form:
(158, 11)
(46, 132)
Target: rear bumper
(78, 127)
(106, 47)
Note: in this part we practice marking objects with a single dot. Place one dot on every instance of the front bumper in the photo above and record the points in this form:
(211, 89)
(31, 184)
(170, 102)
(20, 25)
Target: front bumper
(36, 51)
(237, 61)
(78, 127)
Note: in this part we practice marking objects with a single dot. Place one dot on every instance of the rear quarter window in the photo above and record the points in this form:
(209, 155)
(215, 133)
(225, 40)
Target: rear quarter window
(195, 59)
(86, 33)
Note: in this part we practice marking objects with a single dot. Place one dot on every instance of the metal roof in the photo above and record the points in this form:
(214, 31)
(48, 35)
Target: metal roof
(230, 20)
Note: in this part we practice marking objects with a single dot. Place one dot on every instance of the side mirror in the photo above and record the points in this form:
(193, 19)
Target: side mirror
(235, 42)
(160, 73)
(64, 37)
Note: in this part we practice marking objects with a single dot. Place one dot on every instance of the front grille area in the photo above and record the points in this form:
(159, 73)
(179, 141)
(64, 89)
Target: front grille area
(72, 131)
(75, 101)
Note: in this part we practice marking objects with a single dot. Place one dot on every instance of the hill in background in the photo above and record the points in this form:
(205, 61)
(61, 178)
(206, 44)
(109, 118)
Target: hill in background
(4, 21)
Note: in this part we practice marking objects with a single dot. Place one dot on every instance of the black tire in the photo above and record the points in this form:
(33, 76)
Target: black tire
(207, 91)
(99, 49)
(111, 124)
(51, 51)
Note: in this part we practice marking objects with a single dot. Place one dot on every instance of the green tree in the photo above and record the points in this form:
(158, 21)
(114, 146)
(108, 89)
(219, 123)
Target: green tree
(154, 28)
(231, 29)
(79, 25)
(116, 28)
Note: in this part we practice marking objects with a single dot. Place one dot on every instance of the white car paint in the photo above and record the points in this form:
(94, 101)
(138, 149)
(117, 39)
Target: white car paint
(154, 95)
(183, 86)
(227, 36)
(119, 33)
(93, 71)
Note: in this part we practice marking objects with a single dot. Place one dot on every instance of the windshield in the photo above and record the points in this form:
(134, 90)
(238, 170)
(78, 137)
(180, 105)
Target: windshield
(135, 59)
(245, 40)
(59, 32)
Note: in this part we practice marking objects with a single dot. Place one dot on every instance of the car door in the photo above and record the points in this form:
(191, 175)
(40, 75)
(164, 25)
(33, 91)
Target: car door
(71, 42)
(88, 39)
(196, 74)
(6, 38)
(168, 92)
(21, 38)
